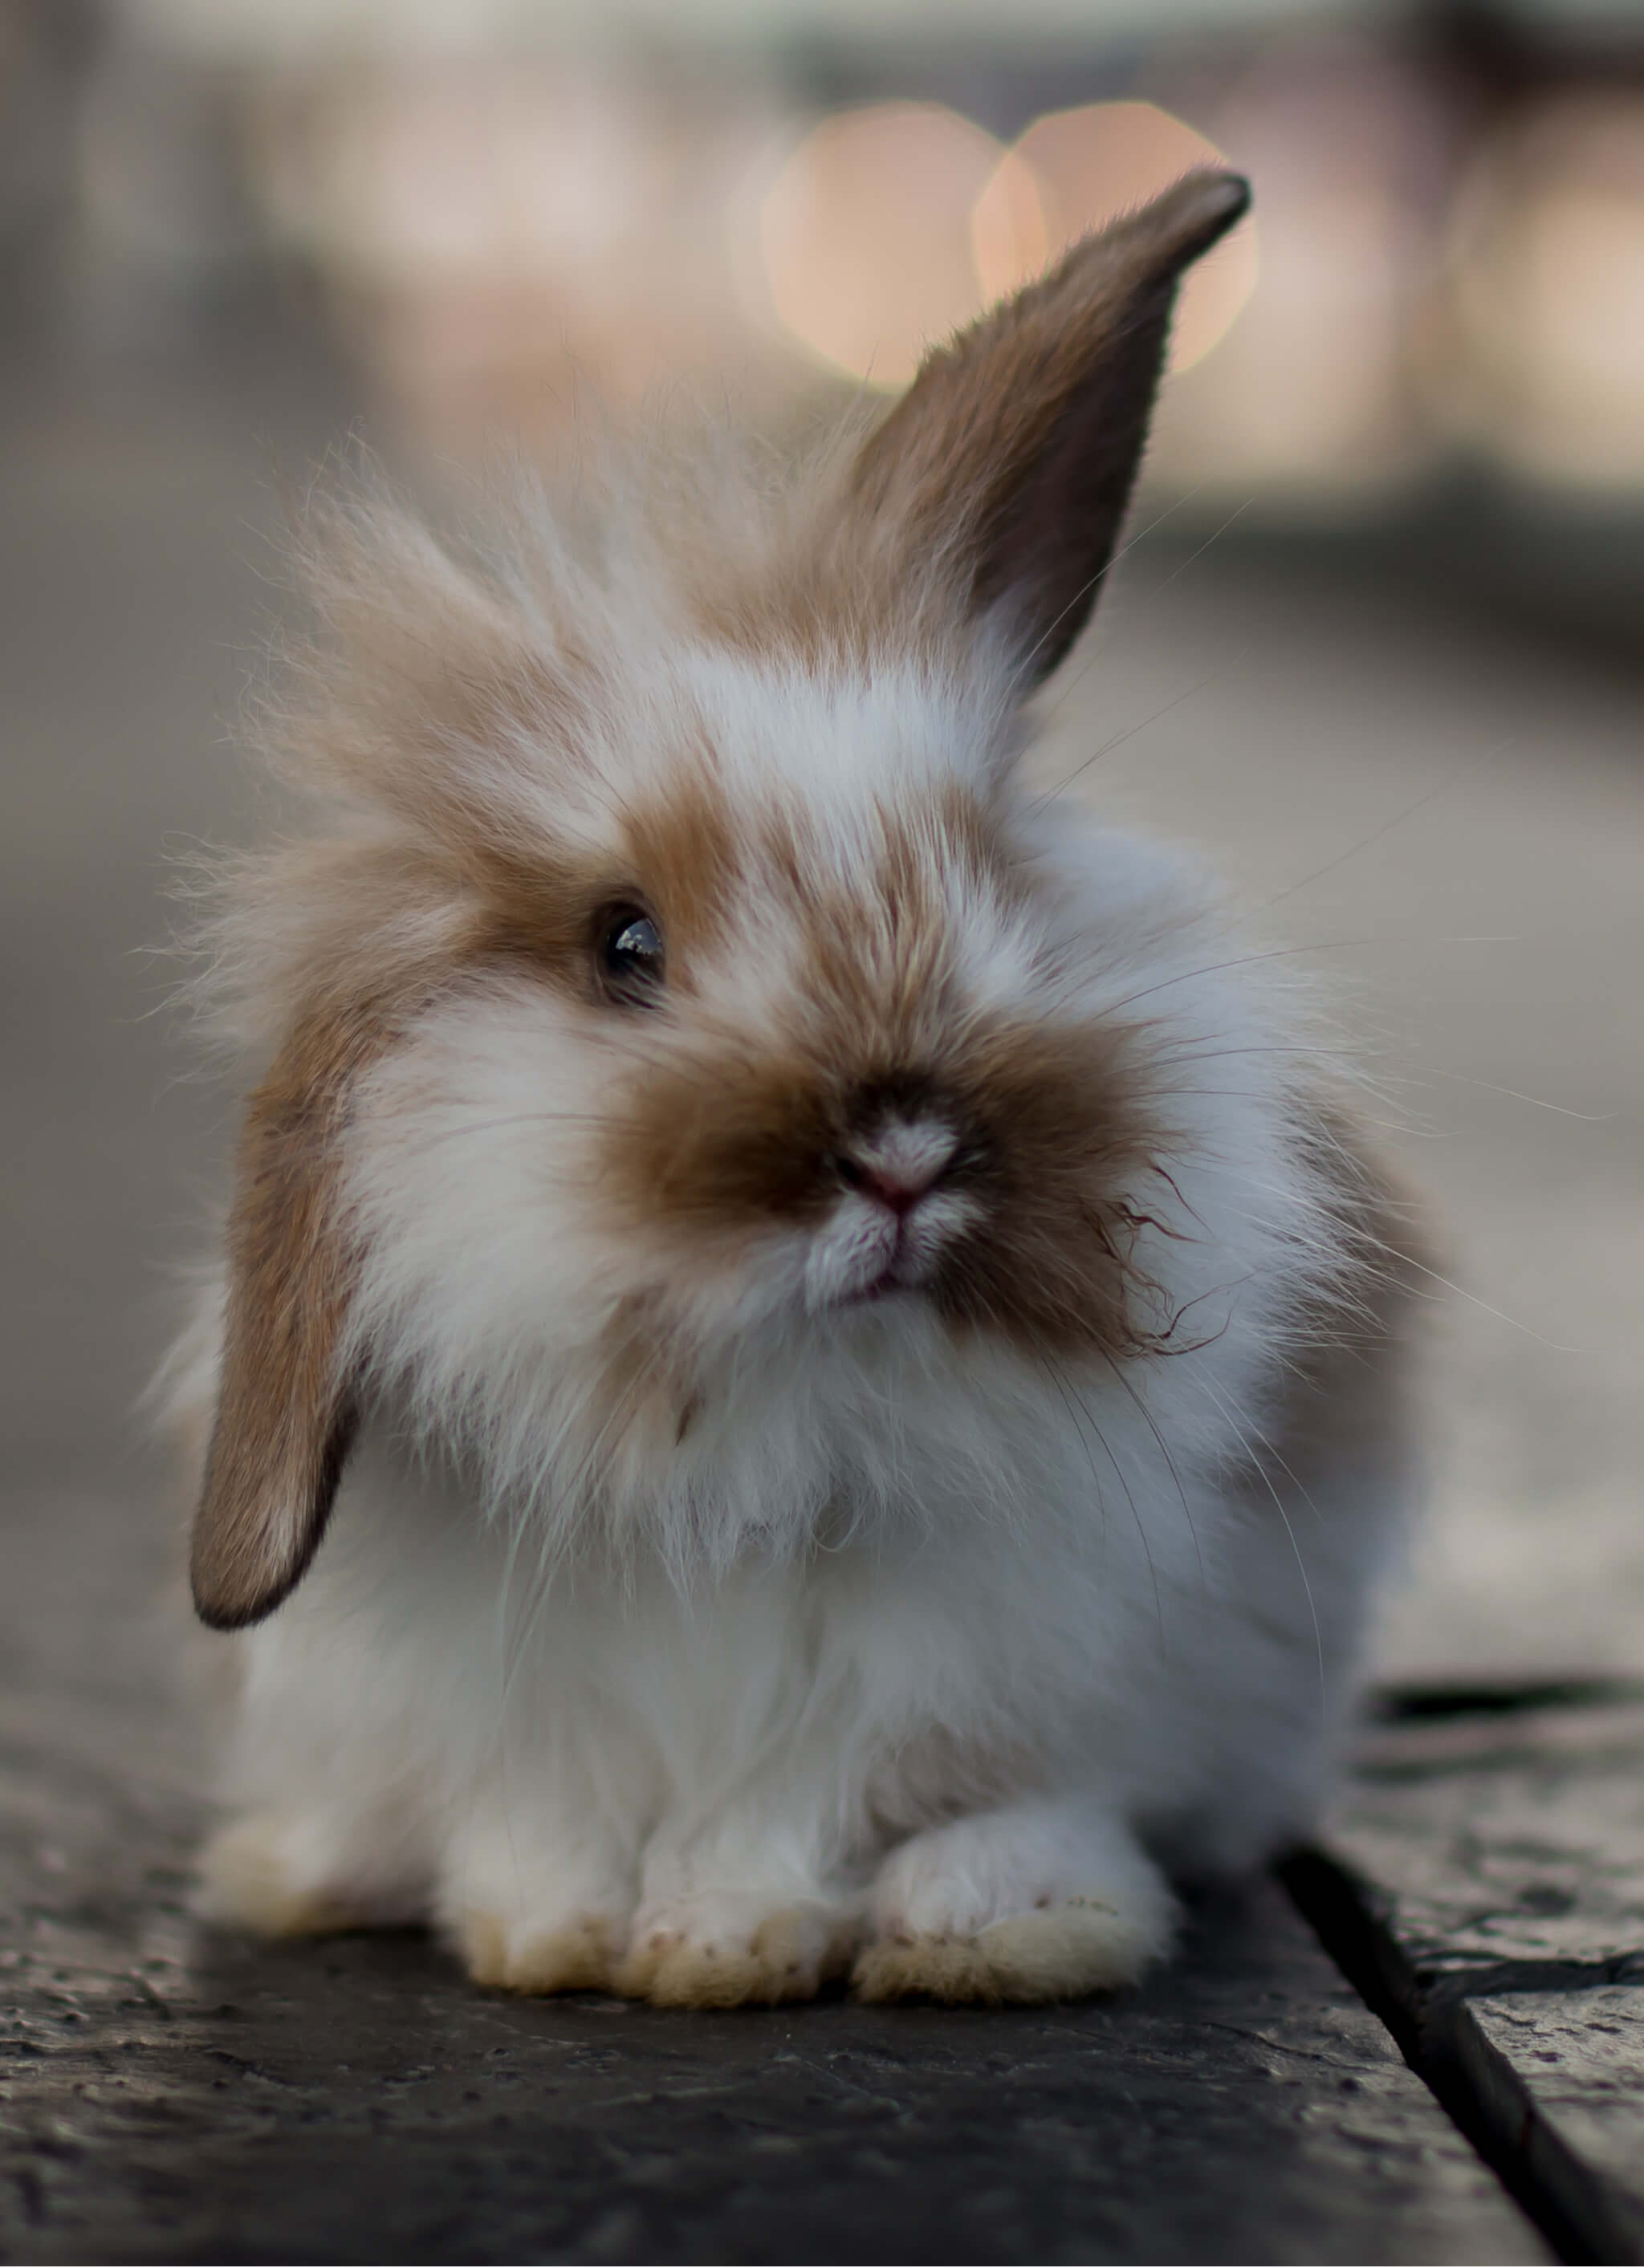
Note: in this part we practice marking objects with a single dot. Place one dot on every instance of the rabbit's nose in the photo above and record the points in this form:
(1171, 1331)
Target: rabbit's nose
(898, 1192)
(897, 1164)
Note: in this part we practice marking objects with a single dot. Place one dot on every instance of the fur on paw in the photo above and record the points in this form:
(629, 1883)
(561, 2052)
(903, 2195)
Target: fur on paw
(1059, 1952)
(263, 1874)
(724, 1953)
(578, 1956)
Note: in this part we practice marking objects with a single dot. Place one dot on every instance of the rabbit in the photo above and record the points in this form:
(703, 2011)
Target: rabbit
(809, 1376)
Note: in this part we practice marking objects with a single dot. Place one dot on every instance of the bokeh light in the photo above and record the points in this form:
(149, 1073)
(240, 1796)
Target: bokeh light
(1547, 274)
(1310, 403)
(865, 236)
(1089, 165)
(890, 227)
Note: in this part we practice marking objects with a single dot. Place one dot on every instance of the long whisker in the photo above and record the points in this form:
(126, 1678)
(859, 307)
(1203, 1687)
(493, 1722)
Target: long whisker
(1363, 844)
(1152, 1425)
(1540, 1101)
(1052, 1372)
(1554, 1347)
(1141, 1532)
(1180, 568)
(1240, 961)
(1106, 568)
(1119, 739)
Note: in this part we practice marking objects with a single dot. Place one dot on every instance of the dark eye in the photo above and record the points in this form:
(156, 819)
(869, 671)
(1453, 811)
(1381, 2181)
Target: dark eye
(631, 953)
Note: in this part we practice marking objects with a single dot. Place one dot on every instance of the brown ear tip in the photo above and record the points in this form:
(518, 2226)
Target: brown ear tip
(242, 1563)
(1155, 242)
(1205, 205)
(227, 1616)
(1226, 197)
(260, 1523)
(227, 1605)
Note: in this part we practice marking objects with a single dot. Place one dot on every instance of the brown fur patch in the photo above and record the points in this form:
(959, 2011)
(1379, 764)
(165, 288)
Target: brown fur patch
(688, 861)
(284, 1415)
(283, 1419)
(543, 912)
(1066, 1130)
(425, 691)
(678, 861)
(1052, 1124)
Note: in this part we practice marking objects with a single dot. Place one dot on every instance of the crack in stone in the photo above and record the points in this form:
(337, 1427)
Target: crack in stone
(1430, 2016)
(1401, 1704)
(1443, 1987)
(1283, 2048)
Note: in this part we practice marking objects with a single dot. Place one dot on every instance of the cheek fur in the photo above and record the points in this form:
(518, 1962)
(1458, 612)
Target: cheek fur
(1070, 1137)
(1031, 1232)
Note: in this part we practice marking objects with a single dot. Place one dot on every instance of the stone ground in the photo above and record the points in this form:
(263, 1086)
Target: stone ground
(1422, 2043)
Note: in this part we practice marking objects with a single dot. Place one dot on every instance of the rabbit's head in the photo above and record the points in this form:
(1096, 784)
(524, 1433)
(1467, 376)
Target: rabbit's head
(677, 984)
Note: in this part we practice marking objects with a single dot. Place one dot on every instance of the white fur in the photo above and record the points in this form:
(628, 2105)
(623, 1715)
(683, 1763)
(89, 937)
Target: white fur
(907, 1638)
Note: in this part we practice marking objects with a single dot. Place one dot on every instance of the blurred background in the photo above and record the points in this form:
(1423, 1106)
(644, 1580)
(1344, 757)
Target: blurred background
(1377, 645)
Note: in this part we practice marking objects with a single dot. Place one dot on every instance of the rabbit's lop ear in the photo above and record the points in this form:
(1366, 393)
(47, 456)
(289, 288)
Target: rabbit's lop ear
(1010, 459)
(285, 1415)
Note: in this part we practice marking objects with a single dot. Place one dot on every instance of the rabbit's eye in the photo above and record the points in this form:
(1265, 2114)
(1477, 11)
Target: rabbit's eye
(631, 953)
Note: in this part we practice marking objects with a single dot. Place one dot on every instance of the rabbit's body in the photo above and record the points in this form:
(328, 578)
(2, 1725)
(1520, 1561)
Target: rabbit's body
(867, 1355)
(910, 1736)
(892, 1739)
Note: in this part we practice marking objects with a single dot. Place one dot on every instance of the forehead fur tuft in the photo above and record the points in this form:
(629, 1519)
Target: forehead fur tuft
(461, 714)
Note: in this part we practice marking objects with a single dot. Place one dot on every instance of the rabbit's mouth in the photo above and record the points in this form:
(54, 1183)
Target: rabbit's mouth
(866, 1254)
(883, 1287)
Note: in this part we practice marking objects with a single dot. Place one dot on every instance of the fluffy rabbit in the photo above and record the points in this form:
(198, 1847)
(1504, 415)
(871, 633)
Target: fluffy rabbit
(807, 1352)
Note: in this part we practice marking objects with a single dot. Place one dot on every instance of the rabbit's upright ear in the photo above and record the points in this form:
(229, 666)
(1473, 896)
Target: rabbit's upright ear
(1009, 461)
(284, 1414)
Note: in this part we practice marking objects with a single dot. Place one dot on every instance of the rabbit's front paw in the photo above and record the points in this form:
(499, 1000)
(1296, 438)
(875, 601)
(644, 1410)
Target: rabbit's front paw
(301, 1874)
(1043, 1902)
(535, 1899)
(728, 1949)
(576, 1954)
(1059, 1952)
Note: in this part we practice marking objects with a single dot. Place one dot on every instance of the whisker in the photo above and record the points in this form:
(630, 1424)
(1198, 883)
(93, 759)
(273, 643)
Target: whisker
(1215, 536)
(1178, 570)
(1052, 1373)
(1240, 961)
(1141, 1531)
(1152, 1425)
(1554, 1347)
(1106, 568)
(1119, 739)
(1197, 1051)
(1331, 864)
(1540, 1102)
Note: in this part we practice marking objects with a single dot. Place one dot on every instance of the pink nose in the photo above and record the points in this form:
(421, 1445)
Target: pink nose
(899, 1188)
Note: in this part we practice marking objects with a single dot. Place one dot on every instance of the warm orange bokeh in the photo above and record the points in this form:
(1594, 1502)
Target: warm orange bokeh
(865, 236)
(1090, 165)
(890, 227)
